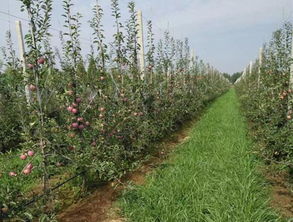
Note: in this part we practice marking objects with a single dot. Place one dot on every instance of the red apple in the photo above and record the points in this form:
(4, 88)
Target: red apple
(23, 157)
(30, 66)
(41, 61)
(78, 100)
(80, 119)
(69, 108)
(74, 111)
(32, 87)
(12, 174)
(29, 166)
(74, 125)
(74, 105)
(31, 153)
(27, 171)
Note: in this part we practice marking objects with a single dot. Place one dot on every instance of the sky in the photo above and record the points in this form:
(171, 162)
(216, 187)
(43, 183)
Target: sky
(225, 33)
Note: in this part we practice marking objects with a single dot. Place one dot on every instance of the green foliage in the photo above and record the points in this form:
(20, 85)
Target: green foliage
(118, 36)
(98, 31)
(9, 53)
(118, 135)
(72, 49)
(150, 57)
(10, 120)
(267, 98)
(132, 35)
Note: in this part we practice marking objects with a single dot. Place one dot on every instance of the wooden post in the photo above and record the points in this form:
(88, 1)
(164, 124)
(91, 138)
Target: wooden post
(192, 59)
(141, 43)
(250, 67)
(290, 102)
(260, 61)
(23, 59)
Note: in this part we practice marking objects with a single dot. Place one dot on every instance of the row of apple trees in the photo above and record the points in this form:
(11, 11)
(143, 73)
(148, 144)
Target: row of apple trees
(95, 115)
(266, 95)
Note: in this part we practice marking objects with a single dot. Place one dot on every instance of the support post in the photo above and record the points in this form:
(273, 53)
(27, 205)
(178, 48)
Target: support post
(192, 59)
(23, 59)
(290, 101)
(141, 43)
(244, 72)
(260, 62)
(250, 67)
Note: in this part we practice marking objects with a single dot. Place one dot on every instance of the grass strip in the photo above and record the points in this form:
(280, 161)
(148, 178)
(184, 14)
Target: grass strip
(211, 177)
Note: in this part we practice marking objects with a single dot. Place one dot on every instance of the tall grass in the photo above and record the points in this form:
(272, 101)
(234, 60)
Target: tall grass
(212, 177)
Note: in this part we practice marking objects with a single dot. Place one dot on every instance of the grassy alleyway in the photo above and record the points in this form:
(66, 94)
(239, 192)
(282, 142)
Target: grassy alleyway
(211, 177)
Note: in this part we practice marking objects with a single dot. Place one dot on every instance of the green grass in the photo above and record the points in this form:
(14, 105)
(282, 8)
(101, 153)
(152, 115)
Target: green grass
(11, 161)
(212, 177)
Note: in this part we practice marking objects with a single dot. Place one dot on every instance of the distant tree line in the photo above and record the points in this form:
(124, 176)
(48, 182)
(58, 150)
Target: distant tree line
(234, 77)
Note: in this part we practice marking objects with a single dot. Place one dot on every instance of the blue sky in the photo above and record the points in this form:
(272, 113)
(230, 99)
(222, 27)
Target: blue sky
(226, 33)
